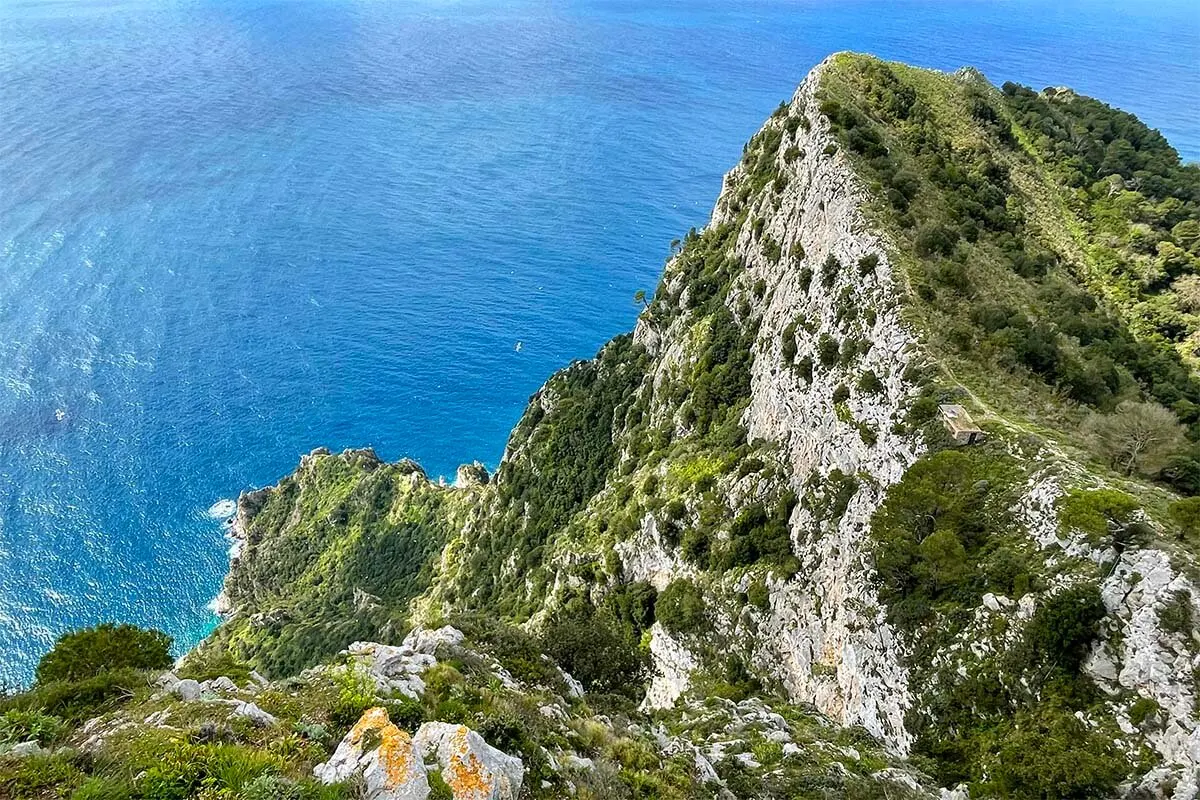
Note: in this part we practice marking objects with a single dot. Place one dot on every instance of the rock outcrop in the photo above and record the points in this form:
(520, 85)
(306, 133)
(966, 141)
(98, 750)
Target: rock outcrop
(473, 769)
(382, 755)
(393, 766)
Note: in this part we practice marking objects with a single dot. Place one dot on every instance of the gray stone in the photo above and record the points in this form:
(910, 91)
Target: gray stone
(255, 714)
(187, 690)
(30, 748)
(382, 755)
(222, 684)
(466, 759)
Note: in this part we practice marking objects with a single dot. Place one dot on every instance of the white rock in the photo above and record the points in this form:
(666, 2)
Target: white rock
(673, 664)
(574, 687)
(572, 761)
(393, 668)
(222, 684)
(30, 748)
(255, 714)
(158, 718)
(424, 640)
(187, 690)
(552, 712)
(829, 613)
(466, 760)
(383, 755)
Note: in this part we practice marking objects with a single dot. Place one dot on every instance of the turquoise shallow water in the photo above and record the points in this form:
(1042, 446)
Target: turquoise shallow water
(232, 231)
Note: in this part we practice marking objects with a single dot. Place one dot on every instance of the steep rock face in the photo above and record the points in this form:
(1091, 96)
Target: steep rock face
(830, 616)
(825, 636)
(1155, 659)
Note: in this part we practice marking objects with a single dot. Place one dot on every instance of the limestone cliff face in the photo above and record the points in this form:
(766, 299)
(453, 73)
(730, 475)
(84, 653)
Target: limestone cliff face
(825, 635)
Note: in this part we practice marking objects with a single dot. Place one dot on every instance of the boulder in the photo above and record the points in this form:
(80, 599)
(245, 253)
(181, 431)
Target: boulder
(472, 768)
(396, 669)
(255, 714)
(30, 748)
(222, 684)
(383, 755)
(424, 640)
(187, 690)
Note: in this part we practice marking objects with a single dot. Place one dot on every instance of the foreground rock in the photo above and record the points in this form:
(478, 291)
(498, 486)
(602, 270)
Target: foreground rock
(383, 755)
(472, 768)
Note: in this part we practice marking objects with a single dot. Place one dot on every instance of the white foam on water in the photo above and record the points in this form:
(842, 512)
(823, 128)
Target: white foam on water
(222, 509)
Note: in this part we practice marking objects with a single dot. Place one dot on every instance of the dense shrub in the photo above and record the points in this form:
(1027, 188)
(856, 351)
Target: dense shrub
(758, 532)
(829, 350)
(1105, 515)
(1046, 751)
(595, 650)
(869, 383)
(91, 651)
(940, 535)
(680, 607)
(1186, 514)
(1061, 631)
(76, 701)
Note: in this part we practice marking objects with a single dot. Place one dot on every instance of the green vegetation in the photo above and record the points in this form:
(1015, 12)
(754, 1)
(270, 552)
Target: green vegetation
(680, 607)
(333, 555)
(91, 651)
(1106, 516)
(1086, 301)
(945, 536)
(597, 649)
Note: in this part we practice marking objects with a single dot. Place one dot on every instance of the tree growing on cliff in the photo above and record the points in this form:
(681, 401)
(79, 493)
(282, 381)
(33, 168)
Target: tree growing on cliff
(1138, 438)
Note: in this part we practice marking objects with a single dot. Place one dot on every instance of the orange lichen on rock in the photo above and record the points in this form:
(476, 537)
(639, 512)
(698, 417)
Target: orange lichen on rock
(466, 776)
(395, 750)
(372, 719)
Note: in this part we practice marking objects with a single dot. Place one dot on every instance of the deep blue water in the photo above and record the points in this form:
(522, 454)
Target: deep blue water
(235, 230)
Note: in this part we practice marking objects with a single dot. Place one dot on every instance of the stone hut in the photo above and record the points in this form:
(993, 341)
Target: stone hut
(962, 428)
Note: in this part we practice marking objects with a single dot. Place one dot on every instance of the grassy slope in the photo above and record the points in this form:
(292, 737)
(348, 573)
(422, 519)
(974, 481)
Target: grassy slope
(1040, 265)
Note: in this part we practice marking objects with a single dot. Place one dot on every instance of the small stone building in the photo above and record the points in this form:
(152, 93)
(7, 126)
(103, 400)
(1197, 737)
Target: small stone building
(962, 428)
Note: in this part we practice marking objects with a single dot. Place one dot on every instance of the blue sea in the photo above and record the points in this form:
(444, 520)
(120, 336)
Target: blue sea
(235, 230)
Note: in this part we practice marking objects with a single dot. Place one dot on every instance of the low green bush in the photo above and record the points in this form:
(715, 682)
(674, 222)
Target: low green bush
(90, 651)
(595, 650)
(680, 607)
(24, 725)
